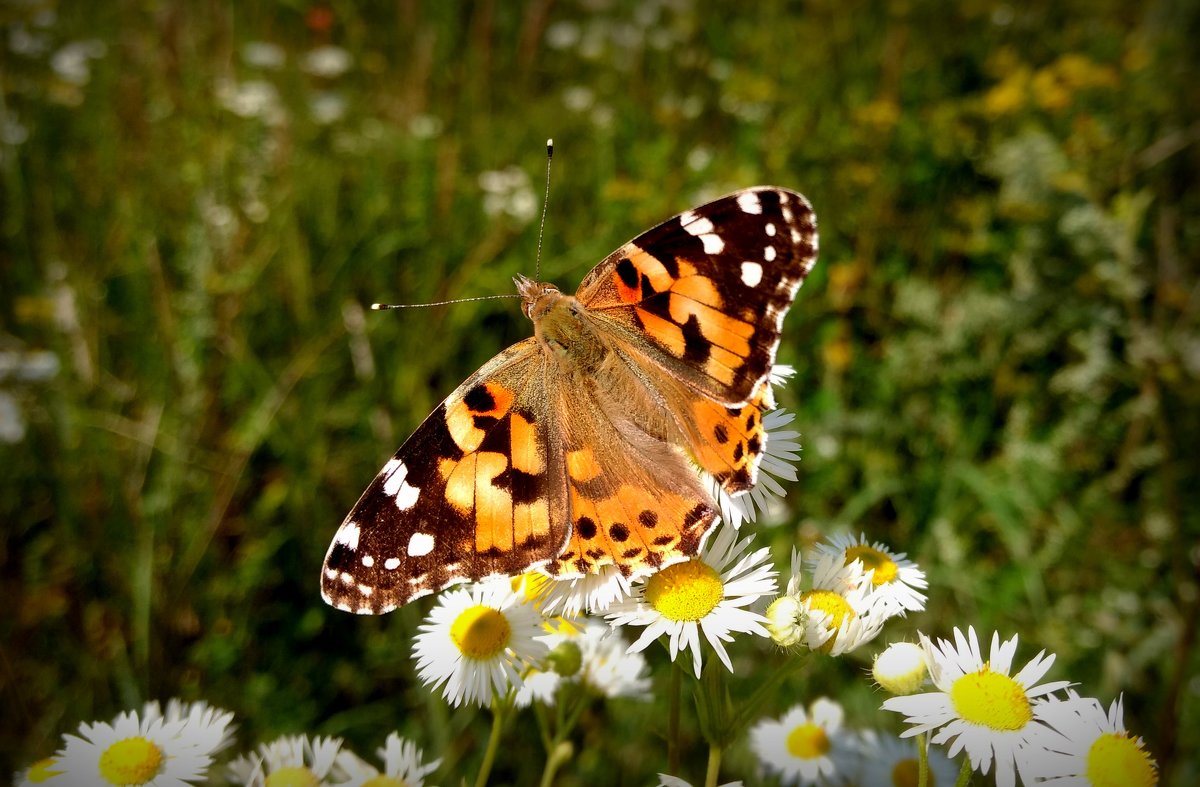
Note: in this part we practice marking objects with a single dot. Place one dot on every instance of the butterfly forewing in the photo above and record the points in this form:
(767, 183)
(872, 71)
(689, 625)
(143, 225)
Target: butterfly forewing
(476, 491)
(708, 289)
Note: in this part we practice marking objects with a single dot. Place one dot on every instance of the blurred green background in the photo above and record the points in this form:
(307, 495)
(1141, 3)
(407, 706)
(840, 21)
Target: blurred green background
(998, 352)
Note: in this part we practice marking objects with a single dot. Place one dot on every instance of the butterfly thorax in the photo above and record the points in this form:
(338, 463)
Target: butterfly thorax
(561, 325)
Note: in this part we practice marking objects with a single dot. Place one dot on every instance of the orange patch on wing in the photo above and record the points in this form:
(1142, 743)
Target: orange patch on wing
(665, 332)
(531, 521)
(460, 419)
(581, 465)
(655, 272)
(526, 448)
(493, 507)
(460, 484)
(697, 288)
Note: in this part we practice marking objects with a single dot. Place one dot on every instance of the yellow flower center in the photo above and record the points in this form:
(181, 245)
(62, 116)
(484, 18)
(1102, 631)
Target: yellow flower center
(384, 781)
(831, 604)
(807, 741)
(293, 776)
(885, 568)
(992, 700)
(685, 591)
(130, 761)
(907, 773)
(1116, 760)
(43, 771)
(480, 632)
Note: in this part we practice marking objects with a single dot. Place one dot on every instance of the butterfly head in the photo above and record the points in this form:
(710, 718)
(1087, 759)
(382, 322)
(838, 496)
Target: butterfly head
(537, 297)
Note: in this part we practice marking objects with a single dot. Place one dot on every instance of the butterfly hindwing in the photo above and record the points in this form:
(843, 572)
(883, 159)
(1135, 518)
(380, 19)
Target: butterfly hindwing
(476, 491)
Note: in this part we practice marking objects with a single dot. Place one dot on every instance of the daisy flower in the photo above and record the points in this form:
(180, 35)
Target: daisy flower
(475, 641)
(402, 766)
(980, 707)
(804, 747)
(707, 594)
(592, 593)
(886, 760)
(136, 751)
(202, 718)
(781, 451)
(896, 582)
(291, 759)
(835, 616)
(608, 666)
(1095, 749)
(780, 374)
(41, 772)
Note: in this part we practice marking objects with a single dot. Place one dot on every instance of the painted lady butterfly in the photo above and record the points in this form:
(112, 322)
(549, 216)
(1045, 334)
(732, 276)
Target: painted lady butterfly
(578, 447)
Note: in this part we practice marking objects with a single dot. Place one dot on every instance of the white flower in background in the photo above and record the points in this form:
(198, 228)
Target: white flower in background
(979, 707)
(289, 760)
(508, 192)
(254, 98)
(72, 63)
(262, 54)
(327, 106)
(708, 594)
(202, 718)
(135, 751)
(804, 747)
(475, 642)
(587, 652)
(43, 771)
(884, 760)
(402, 766)
(896, 582)
(1095, 749)
(835, 616)
(327, 62)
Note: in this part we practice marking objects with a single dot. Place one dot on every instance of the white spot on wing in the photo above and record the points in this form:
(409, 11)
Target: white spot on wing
(698, 226)
(771, 228)
(686, 218)
(420, 544)
(749, 202)
(366, 590)
(347, 578)
(712, 243)
(395, 484)
(392, 563)
(769, 254)
(368, 561)
(751, 274)
(347, 535)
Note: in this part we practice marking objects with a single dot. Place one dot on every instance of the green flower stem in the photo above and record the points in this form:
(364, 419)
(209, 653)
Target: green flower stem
(498, 708)
(922, 761)
(714, 766)
(964, 775)
(562, 752)
(675, 691)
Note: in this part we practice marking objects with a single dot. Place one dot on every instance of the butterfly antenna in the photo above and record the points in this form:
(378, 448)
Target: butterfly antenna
(379, 307)
(537, 267)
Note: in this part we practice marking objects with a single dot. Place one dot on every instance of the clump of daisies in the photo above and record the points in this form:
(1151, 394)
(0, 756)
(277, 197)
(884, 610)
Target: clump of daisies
(1013, 722)
(833, 603)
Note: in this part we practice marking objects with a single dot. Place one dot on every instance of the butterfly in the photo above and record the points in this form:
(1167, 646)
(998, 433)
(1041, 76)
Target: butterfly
(578, 447)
